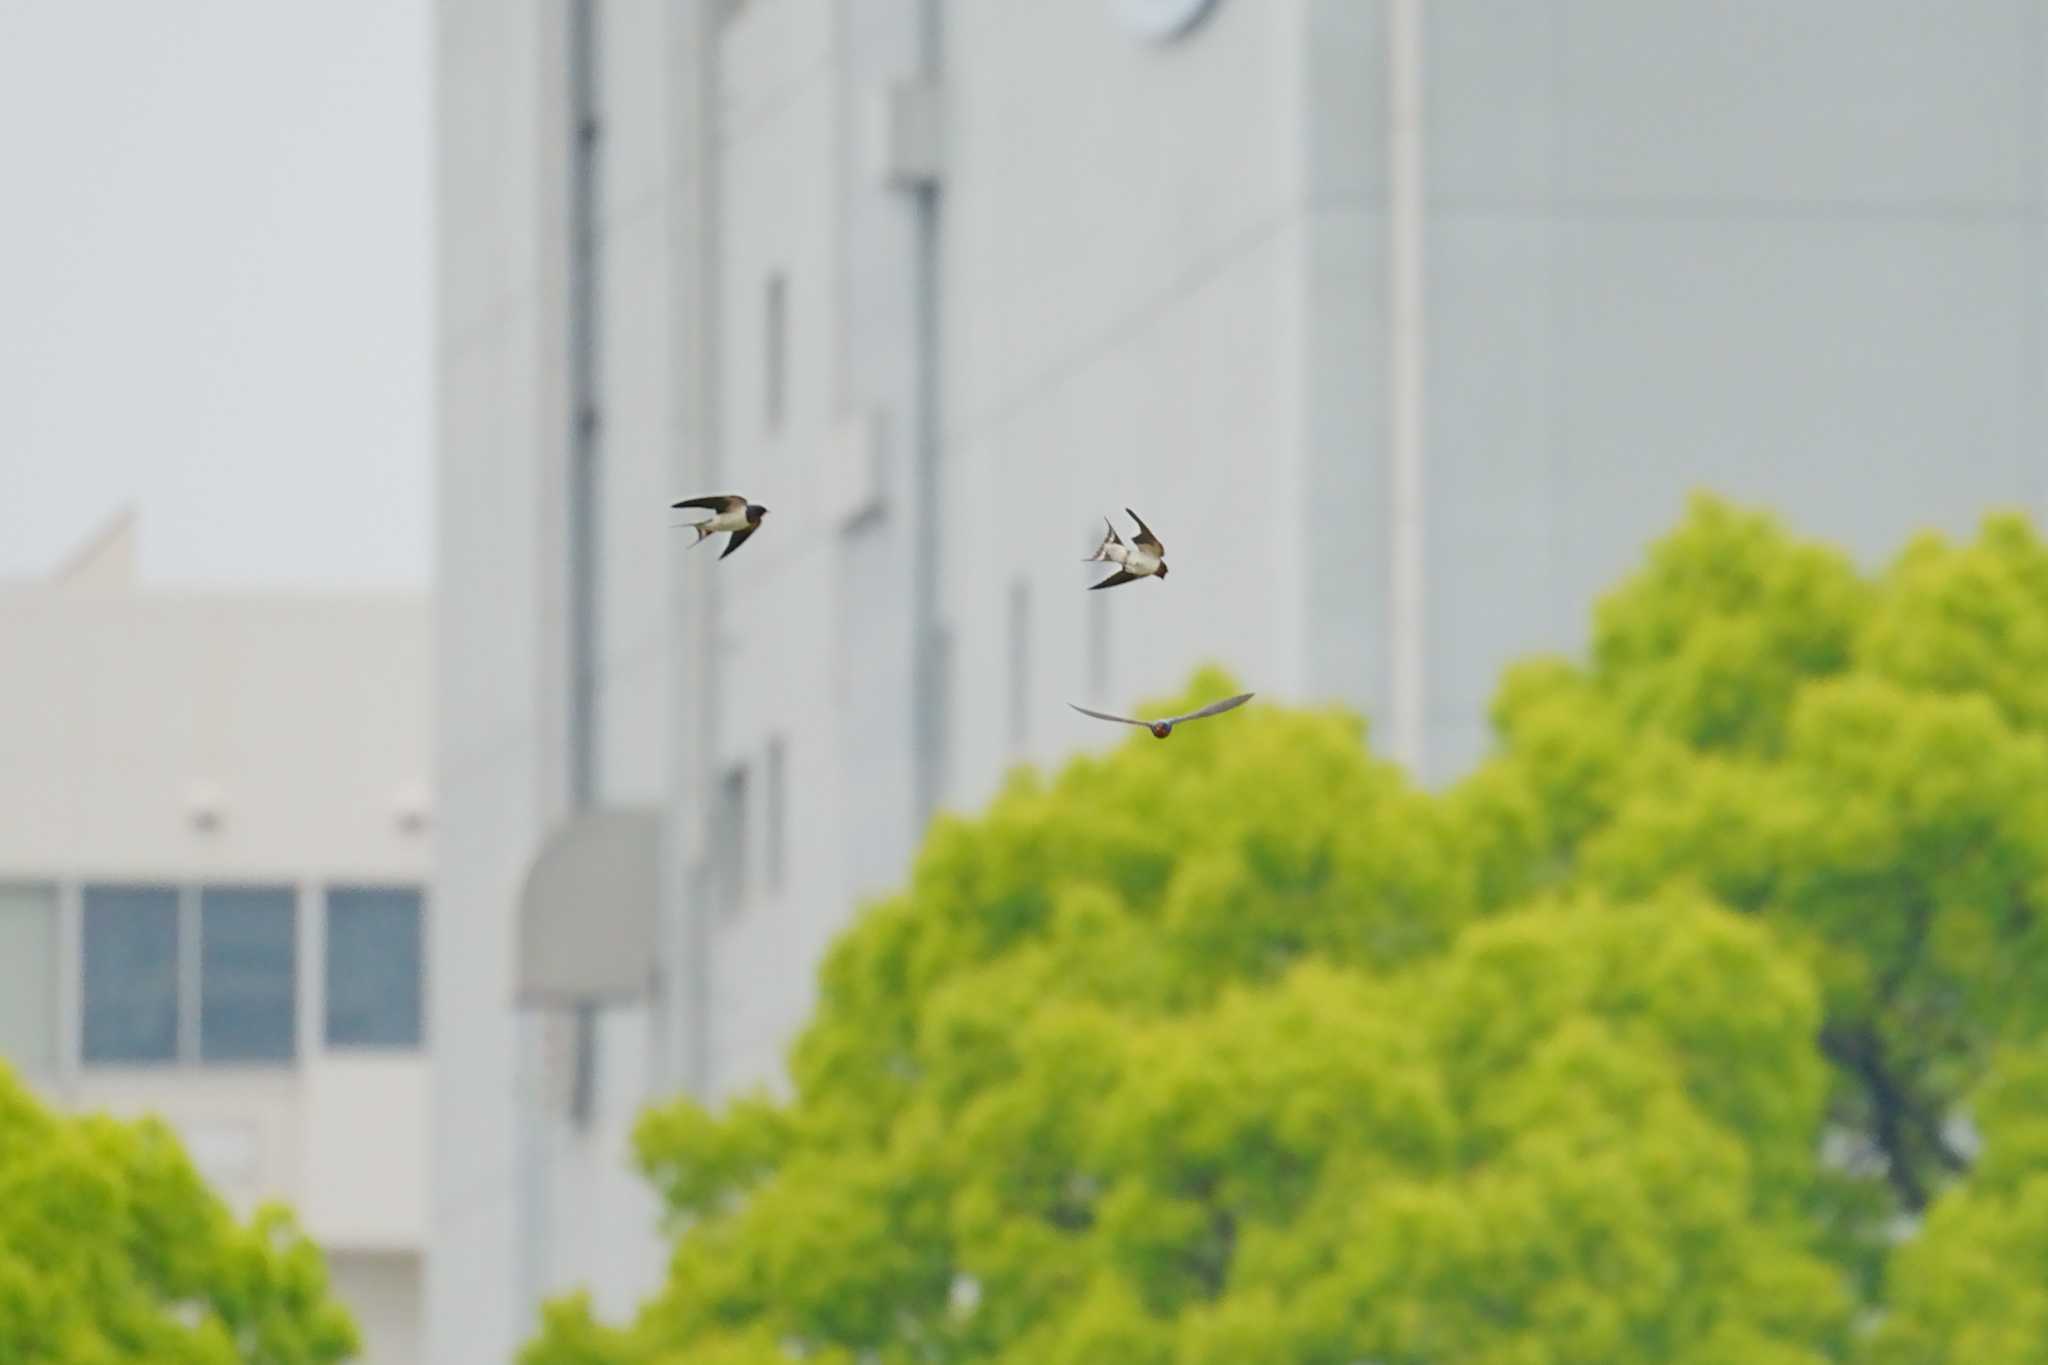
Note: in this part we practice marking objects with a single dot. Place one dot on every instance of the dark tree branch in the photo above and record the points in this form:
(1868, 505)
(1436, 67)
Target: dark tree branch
(1893, 1111)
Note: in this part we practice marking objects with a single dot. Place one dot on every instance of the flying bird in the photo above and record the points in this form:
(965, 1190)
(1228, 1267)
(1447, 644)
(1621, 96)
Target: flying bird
(1144, 557)
(729, 512)
(1162, 728)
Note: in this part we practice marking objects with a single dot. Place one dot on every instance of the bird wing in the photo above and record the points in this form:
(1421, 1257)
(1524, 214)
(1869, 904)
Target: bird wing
(739, 538)
(1104, 715)
(1120, 576)
(1145, 536)
(716, 502)
(1215, 708)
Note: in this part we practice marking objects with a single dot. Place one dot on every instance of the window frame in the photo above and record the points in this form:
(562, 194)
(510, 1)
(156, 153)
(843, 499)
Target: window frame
(54, 1048)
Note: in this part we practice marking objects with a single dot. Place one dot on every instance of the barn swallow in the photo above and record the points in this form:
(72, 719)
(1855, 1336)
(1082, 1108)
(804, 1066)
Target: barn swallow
(1144, 557)
(1162, 728)
(729, 512)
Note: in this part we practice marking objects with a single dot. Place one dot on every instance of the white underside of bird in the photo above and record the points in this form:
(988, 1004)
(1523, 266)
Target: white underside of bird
(1138, 560)
(721, 521)
(1135, 560)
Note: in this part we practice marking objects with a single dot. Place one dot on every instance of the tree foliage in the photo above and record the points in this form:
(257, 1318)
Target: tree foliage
(1859, 764)
(1626, 1048)
(113, 1250)
(1974, 1285)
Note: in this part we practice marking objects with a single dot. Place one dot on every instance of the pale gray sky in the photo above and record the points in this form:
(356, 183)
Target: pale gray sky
(216, 287)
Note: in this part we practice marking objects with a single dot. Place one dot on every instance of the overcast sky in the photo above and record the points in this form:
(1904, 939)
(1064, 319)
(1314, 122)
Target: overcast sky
(216, 287)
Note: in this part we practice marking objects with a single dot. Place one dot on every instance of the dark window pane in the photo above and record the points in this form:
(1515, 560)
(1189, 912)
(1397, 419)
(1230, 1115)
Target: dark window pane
(1021, 696)
(131, 974)
(374, 967)
(729, 840)
(248, 962)
(775, 362)
(778, 814)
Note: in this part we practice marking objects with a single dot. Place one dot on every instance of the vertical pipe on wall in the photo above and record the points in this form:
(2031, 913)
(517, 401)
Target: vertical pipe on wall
(586, 466)
(1406, 325)
(70, 967)
(190, 927)
(584, 500)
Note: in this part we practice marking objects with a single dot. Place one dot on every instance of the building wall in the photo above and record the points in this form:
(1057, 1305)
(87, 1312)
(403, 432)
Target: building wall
(779, 611)
(500, 695)
(201, 741)
(1164, 291)
(1795, 254)
(530, 1198)
(814, 642)
(601, 1218)
(382, 1289)
(1779, 253)
(131, 708)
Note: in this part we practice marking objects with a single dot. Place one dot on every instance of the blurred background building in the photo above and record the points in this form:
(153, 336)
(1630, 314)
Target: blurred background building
(1404, 325)
(213, 865)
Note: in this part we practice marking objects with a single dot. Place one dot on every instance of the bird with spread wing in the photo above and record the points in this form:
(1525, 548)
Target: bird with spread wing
(1144, 557)
(1162, 728)
(729, 512)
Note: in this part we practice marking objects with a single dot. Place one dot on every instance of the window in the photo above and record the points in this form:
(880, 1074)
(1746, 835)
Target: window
(940, 758)
(778, 814)
(375, 971)
(1020, 663)
(248, 974)
(28, 977)
(729, 839)
(775, 352)
(131, 974)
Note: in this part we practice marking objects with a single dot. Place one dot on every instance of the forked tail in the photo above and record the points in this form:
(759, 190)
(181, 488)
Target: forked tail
(1109, 538)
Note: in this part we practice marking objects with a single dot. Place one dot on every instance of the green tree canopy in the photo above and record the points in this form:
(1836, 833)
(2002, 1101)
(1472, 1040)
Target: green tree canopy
(1864, 765)
(1974, 1285)
(112, 1250)
(1624, 1049)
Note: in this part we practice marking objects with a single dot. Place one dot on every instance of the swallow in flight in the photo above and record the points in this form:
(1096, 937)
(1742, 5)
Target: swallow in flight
(1144, 557)
(729, 512)
(1162, 728)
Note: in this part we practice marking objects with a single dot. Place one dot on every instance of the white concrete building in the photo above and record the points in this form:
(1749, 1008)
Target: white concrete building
(213, 861)
(1405, 324)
